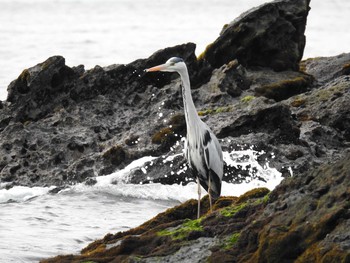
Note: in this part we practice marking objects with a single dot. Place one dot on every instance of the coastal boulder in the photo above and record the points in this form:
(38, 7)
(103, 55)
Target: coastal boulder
(39, 89)
(271, 35)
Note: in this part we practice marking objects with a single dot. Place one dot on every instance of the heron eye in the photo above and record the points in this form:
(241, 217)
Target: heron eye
(172, 63)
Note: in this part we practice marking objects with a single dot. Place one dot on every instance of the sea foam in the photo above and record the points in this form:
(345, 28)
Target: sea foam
(117, 182)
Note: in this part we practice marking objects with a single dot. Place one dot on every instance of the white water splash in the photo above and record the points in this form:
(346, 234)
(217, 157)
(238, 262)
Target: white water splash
(22, 193)
(117, 182)
(249, 159)
(122, 175)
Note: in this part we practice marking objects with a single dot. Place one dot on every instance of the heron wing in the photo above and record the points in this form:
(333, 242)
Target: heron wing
(213, 160)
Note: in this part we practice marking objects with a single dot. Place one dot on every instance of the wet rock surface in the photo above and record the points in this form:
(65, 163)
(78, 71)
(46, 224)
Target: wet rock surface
(61, 125)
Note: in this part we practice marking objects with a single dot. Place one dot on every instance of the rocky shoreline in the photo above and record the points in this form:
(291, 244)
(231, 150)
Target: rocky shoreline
(63, 125)
(305, 219)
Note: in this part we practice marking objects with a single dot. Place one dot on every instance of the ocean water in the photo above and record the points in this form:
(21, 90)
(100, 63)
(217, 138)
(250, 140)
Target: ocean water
(105, 32)
(35, 224)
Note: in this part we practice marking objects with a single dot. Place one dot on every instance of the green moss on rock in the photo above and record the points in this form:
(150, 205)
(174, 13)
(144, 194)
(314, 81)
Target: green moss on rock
(304, 63)
(231, 240)
(116, 155)
(215, 110)
(183, 230)
(285, 89)
(247, 99)
(328, 93)
(24, 76)
(232, 210)
(203, 54)
(253, 194)
(298, 101)
(100, 248)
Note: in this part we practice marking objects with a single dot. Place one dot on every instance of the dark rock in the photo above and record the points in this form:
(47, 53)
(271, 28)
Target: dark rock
(233, 79)
(327, 105)
(166, 170)
(270, 119)
(38, 90)
(271, 35)
(168, 136)
(55, 190)
(115, 155)
(286, 88)
(65, 118)
(325, 69)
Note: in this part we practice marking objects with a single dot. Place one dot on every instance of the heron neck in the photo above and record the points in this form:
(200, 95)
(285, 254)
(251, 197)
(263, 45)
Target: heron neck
(191, 114)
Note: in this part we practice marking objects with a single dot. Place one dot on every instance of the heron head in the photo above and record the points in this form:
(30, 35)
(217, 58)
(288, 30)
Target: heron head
(173, 64)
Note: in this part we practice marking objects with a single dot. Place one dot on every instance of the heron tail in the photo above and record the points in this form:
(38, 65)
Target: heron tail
(215, 185)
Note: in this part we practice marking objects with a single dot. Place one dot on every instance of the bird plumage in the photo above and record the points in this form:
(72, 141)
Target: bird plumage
(202, 148)
(204, 156)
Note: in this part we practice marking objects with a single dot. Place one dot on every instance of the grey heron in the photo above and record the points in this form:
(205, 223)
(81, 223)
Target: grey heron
(202, 148)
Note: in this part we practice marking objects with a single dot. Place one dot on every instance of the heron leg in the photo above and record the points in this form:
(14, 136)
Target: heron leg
(199, 199)
(209, 193)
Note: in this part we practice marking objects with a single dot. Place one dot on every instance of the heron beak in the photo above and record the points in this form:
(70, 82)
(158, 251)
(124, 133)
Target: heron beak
(157, 68)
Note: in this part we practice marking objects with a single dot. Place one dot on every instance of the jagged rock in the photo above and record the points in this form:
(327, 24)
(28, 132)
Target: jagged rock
(271, 35)
(232, 79)
(327, 105)
(325, 69)
(58, 119)
(280, 86)
(275, 120)
(38, 90)
(314, 211)
(55, 148)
